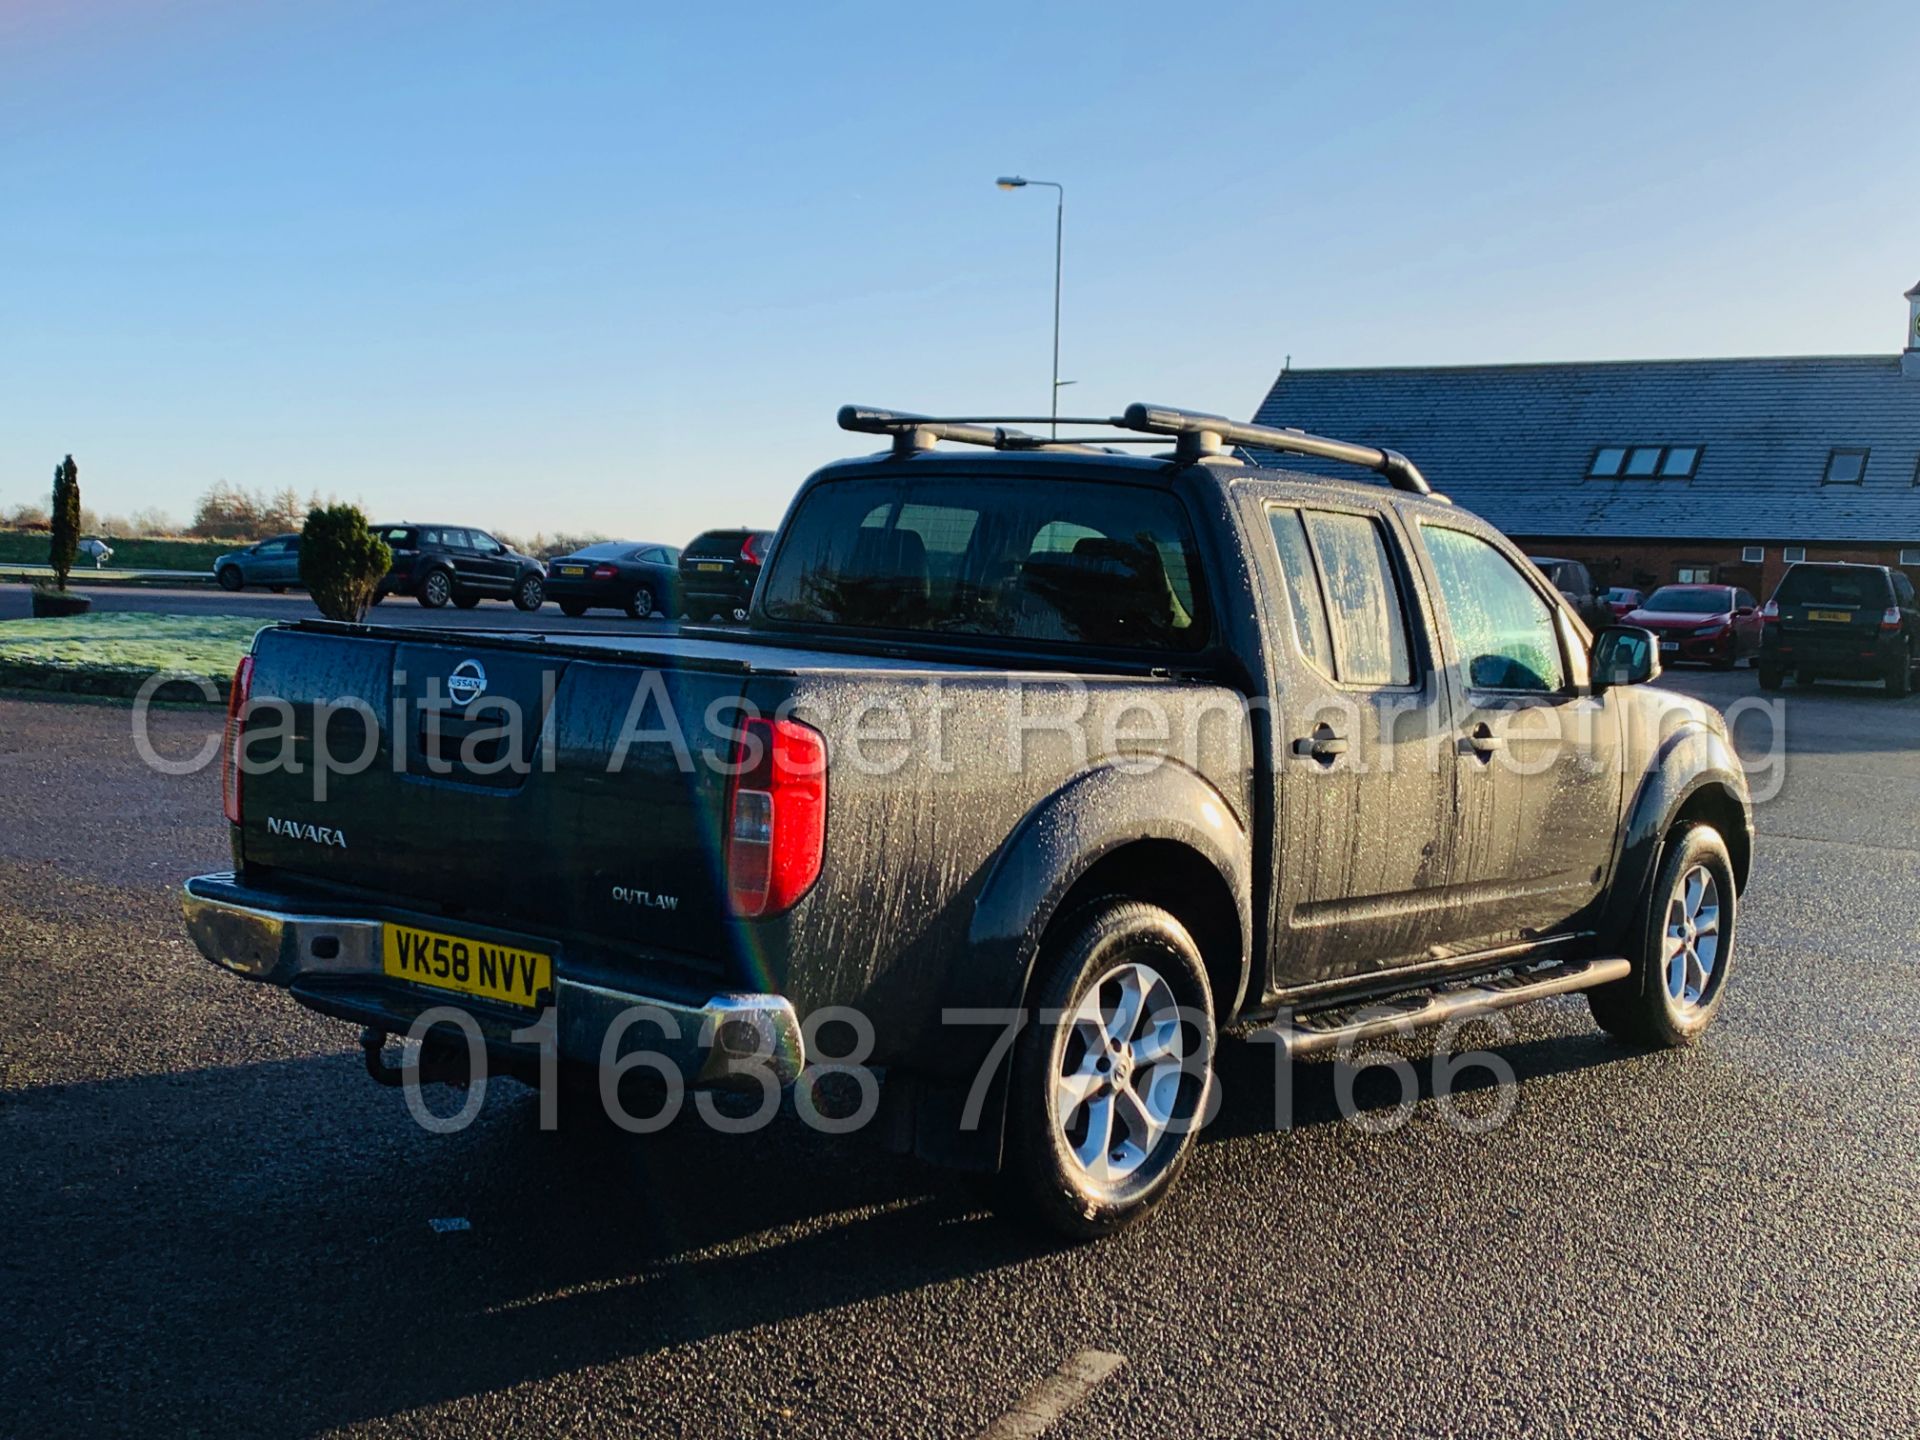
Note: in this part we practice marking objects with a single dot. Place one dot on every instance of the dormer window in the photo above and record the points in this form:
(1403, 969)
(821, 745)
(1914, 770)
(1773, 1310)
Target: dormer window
(1644, 462)
(1847, 465)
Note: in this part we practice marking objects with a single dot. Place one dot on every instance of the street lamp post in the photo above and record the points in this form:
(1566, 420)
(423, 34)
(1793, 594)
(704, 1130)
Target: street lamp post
(1019, 182)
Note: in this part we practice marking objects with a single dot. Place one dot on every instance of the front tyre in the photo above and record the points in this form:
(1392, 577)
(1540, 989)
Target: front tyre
(530, 593)
(1112, 1076)
(230, 578)
(1684, 950)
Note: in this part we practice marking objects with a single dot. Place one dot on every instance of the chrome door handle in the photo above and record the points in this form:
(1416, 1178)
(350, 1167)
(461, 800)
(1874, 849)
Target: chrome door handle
(1323, 744)
(1480, 741)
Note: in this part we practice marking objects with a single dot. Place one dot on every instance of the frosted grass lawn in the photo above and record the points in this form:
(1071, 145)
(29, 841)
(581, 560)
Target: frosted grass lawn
(111, 653)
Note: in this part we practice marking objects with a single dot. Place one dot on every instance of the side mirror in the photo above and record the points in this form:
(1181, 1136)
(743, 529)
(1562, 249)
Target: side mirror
(1625, 655)
(1744, 610)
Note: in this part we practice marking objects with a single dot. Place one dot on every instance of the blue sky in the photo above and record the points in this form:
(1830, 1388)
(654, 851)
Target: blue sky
(613, 266)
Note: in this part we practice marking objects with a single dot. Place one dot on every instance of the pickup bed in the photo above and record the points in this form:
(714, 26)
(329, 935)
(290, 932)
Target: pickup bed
(1037, 767)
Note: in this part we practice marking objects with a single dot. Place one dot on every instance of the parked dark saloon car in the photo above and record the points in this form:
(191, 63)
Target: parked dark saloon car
(718, 570)
(637, 576)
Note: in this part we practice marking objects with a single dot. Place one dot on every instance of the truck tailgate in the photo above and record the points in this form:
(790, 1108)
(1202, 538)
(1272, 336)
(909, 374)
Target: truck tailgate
(545, 789)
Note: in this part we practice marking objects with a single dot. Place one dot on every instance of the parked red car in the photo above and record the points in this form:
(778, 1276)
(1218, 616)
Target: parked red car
(1717, 624)
(1623, 601)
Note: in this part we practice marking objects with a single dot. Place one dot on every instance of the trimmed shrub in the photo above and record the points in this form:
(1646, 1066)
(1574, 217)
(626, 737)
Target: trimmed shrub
(66, 520)
(342, 561)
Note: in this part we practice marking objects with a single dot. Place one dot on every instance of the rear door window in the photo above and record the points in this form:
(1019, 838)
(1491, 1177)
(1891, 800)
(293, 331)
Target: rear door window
(1302, 581)
(1365, 614)
(1503, 629)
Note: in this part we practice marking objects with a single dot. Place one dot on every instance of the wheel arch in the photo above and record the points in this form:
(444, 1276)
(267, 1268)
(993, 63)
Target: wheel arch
(1695, 777)
(1166, 837)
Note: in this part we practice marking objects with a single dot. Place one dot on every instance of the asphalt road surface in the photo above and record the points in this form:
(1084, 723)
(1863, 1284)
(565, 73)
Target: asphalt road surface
(16, 601)
(215, 1223)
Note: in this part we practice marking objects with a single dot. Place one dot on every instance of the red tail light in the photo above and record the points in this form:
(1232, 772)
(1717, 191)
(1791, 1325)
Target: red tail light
(1770, 612)
(1890, 618)
(750, 551)
(604, 572)
(776, 816)
(230, 776)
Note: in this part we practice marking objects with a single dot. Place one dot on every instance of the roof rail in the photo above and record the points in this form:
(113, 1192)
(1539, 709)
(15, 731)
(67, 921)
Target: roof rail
(1197, 436)
(1207, 434)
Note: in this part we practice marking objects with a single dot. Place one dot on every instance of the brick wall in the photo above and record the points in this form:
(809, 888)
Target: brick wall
(1643, 564)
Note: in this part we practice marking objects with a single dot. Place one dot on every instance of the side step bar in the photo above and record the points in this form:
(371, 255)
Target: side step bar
(1324, 1030)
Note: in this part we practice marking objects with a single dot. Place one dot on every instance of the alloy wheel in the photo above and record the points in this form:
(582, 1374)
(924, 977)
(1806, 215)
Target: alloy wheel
(1120, 1071)
(1693, 939)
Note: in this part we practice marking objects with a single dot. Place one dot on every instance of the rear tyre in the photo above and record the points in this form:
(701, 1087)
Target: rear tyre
(1770, 677)
(465, 602)
(572, 609)
(1683, 952)
(278, 589)
(1803, 679)
(640, 604)
(1900, 675)
(530, 593)
(1112, 1075)
(436, 590)
(230, 578)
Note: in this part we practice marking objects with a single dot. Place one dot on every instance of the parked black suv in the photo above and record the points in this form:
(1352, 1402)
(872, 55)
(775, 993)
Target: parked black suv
(1845, 621)
(1171, 744)
(1575, 583)
(718, 571)
(438, 563)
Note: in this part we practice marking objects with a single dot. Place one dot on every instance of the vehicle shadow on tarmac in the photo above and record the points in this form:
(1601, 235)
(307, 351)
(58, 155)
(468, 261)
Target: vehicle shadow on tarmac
(249, 1247)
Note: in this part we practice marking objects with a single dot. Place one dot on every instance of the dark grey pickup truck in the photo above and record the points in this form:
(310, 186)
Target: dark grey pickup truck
(1039, 765)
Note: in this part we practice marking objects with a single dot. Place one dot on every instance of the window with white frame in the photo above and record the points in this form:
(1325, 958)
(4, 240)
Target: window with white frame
(1754, 555)
(1694, 575)
(1910, 557)
(1794, 554)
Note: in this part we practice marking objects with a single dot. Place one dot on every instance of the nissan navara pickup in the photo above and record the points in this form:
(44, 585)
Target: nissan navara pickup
(1039, 766)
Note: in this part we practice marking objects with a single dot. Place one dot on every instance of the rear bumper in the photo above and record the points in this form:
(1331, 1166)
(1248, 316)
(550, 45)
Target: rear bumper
(334, 963)
(1864, 657)
(735, 587)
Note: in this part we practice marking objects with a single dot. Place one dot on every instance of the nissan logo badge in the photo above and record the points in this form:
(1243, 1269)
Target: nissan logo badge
(467, 683)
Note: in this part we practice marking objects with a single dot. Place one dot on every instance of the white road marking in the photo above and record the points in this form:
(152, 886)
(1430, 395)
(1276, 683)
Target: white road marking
(1052, 1397)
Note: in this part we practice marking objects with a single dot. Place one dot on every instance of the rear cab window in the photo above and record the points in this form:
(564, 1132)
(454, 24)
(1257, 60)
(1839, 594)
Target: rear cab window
(1056, 561)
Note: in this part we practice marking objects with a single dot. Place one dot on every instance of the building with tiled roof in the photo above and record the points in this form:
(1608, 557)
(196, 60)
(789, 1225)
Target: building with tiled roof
(1654, 470)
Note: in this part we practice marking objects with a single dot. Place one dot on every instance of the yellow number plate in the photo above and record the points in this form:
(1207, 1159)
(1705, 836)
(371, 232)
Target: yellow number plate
(1841, 615)
(710, 565)
(471, 967)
